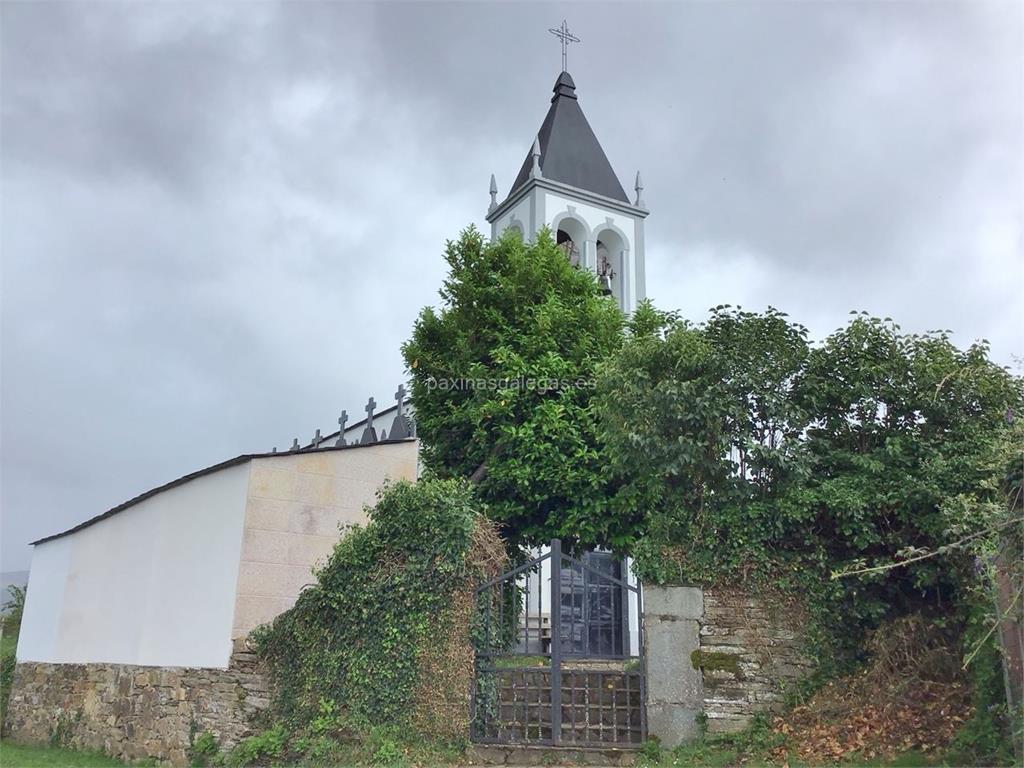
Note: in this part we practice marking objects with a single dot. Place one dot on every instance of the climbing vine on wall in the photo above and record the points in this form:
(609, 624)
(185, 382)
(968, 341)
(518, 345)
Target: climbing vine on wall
(364, 635)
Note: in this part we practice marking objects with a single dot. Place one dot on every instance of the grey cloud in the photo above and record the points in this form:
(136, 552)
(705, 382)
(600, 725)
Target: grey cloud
(220, 221)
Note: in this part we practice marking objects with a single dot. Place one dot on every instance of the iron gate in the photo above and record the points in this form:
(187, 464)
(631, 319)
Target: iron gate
(559, 654)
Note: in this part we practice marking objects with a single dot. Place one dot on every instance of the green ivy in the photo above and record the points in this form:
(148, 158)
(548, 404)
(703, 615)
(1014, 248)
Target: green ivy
(348, 651)
(263, 748)
(203, 747)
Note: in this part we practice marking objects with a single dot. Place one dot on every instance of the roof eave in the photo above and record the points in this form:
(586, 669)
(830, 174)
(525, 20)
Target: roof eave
(557, 186)
(245, 457)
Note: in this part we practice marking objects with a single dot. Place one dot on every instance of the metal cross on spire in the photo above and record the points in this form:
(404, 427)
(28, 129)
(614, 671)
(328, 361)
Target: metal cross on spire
(563, 34)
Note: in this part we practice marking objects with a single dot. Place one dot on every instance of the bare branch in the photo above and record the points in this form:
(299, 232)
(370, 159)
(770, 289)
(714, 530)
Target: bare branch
(941, 550)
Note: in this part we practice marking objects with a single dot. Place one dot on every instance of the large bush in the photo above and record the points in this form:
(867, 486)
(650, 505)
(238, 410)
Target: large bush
(360, 647)
(761, 457)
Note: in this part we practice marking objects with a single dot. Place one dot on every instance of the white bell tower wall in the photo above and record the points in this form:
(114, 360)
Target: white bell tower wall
(613, 231)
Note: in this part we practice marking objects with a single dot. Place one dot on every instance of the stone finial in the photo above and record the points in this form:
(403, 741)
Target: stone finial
(639, 191)
(295, 445)
(342, 420)
(316, 440)
(400, 426)
(274, 449)
(494, 195)
(535, 152)
(369, 434)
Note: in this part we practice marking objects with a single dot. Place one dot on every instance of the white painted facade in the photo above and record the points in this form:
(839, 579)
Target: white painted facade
(151, 585)
(171, 579)
(383, 422)
(538, 587)
(604, 232)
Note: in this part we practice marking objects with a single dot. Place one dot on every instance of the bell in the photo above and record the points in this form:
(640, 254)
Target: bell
(606, 284)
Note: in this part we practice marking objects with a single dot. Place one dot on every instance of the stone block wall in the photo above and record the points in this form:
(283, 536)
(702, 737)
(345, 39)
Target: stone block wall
(751, 651)
(133, 712)
(722, 652)
(675, 691)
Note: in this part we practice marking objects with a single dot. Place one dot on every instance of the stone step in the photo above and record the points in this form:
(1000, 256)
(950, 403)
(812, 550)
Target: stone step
(518, 755)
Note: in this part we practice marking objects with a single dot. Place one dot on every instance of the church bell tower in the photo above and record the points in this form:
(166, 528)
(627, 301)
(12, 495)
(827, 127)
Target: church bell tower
(567, 184)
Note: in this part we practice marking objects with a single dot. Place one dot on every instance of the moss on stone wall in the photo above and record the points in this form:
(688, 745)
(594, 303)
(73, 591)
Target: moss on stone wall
(707, 661)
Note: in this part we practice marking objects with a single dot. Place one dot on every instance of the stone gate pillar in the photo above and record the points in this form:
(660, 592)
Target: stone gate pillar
(675, 689)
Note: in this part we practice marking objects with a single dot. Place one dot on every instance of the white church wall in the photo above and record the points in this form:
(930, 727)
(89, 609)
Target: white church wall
(296, 505)
(151, 585)
(633, 607)
(595, 218)
(383, 421)
(40, 622)
(382, 424)
(519, 214)
(539, 587)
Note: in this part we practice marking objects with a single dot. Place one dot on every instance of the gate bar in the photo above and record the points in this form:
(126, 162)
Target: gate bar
(514, 572)
(642, 648)
(624, 582)
(556, 641)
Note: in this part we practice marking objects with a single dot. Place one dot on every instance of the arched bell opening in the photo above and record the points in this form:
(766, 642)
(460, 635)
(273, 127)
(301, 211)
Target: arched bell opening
(570, 237)
(610, 257)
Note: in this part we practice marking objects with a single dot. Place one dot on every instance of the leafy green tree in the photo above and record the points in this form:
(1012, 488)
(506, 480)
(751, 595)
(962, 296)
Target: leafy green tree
(701, 426)
(902, 425)
(502, 379)
(754, 452)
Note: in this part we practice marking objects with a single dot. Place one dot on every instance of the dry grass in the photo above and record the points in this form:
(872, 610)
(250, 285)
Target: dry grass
(446, 663)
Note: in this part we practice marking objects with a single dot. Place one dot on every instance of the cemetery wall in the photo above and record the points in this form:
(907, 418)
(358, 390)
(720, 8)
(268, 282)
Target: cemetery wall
(296, 506)
(133, 712)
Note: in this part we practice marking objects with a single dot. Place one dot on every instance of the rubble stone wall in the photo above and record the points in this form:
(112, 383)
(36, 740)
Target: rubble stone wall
(134, 712)
(751, 651)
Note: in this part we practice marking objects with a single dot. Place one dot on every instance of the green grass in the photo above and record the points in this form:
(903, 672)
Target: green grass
(717, 754)
(382, 749)
(22, 756)
(516, 662)
(706, 754)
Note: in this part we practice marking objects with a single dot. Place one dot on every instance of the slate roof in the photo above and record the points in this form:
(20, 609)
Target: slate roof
(569, 150)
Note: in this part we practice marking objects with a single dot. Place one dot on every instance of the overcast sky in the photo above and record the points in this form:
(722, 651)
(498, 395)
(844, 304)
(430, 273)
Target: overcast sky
(220, 221)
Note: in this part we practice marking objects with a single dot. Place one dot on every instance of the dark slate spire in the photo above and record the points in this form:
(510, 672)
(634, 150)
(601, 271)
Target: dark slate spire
(569, 150)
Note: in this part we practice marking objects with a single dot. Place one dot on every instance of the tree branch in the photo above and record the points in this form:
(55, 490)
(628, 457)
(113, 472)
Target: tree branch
(941, 550)
(479, 474)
